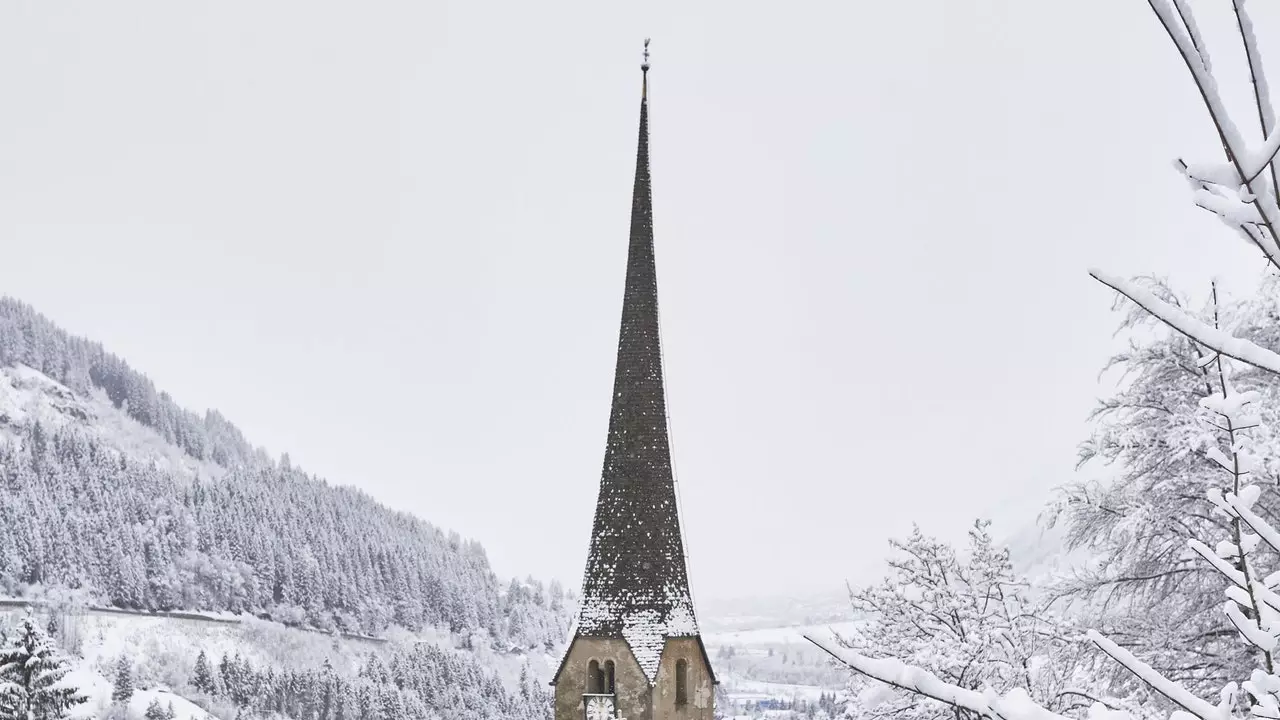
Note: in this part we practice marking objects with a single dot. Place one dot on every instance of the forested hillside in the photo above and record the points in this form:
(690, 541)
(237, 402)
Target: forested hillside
(232, 530)
(417, 682)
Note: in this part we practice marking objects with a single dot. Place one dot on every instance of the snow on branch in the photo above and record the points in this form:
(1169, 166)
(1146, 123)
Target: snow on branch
(1233, 211)
(1242, 505)
(1257, 74)
(1014, 705)
(1212, 338)
(1241, 174)
(1210, 180)
(1252, 163)
(1170, 689)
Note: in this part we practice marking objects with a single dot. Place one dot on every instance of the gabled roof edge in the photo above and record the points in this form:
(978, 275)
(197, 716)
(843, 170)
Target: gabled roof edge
(702, 647)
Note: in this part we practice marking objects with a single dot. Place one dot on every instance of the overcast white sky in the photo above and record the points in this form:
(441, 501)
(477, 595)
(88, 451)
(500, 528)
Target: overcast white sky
(389, 238)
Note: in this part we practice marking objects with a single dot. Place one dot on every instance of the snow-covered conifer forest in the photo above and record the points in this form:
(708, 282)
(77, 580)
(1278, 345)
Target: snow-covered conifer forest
(121, 510)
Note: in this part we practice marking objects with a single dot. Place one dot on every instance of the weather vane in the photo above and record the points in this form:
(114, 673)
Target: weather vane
(645, 66)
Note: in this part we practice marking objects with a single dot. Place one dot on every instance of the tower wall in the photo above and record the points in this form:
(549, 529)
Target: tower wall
(635, 698)
(631, 686)
(701, 694)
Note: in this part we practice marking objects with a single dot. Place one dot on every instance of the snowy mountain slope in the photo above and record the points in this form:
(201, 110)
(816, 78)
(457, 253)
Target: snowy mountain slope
(28, 397)
(108, 487)
(163, 652)
(222, 525)
(1039, 553)
(96, 688)
(93, 498)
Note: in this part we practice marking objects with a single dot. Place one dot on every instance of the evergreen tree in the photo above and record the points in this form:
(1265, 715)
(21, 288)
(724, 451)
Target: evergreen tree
(155, 711)
(244, 680)
(122, 690)
(391, 704)
(202, 677)
(31, 672)
(227, 673)
(327, 691)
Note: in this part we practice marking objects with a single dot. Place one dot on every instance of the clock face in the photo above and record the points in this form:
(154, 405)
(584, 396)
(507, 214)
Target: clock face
(600, 708)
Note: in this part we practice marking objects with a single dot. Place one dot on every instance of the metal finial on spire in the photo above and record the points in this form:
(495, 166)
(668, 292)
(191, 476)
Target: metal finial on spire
(644, 70)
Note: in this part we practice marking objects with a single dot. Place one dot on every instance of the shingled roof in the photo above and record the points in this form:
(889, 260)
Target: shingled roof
(636, 586)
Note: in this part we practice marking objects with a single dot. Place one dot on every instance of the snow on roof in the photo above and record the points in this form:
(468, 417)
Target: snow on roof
(645, 627)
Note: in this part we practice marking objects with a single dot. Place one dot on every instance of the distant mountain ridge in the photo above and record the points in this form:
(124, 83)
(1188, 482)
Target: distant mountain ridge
(760, 612)
(107, 484)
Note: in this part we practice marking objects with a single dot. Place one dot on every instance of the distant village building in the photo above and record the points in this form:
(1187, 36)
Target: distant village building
(636, 652)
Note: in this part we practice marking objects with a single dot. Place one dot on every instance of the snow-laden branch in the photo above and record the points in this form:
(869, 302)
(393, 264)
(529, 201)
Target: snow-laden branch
(1208, 179)
(1232, 210)
(1247, 164)
(1212, 338)
(1015, 705)
(1267, 600)
(1252, 164)
(1243, 508)
(1170, 689)
(1239, 181)
(1258, 78)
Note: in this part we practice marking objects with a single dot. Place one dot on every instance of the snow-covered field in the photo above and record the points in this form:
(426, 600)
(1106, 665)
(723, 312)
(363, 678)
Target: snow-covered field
(163, 653)
(774, 663)
(97, 689)
(747, 690)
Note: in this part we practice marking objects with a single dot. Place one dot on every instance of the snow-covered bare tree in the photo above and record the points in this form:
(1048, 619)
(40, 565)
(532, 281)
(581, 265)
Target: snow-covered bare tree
(1242, 546)
(1143, 588)
(966, 618)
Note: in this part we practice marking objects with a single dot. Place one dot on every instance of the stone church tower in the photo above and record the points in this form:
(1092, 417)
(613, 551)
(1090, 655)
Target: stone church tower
(636, 653)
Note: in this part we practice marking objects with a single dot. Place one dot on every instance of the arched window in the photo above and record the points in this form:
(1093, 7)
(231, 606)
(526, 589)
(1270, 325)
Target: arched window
(608, 676)
(593, 677)
(682, 682)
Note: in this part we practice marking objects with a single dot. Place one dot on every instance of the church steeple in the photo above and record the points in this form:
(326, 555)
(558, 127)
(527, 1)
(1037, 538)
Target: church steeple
(636, 651)
(636, 585)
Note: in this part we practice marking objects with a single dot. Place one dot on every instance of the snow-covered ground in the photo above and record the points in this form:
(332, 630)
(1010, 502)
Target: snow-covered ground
(97, 689)
(775, 663)
(163, 653)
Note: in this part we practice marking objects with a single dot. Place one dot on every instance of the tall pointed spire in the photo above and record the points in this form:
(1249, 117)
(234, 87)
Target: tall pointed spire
(636, 586)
